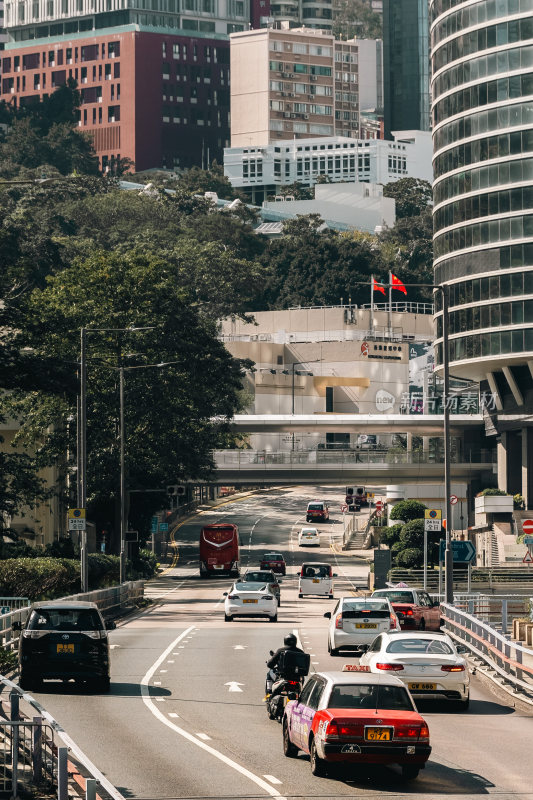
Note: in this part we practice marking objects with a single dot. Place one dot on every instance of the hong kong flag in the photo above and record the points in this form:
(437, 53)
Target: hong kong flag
(377, 286)
(397, 284)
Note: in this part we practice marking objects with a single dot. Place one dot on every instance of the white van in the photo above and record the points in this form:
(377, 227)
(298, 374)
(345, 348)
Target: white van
(309, 537)
(316, 578)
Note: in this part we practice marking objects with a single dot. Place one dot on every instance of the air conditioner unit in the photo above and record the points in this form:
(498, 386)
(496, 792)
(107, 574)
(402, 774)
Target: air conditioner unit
(253, 338)
(263, 337)
(290, 75)
(286, 115)
(291, 94)
(284, 74)
(314, 77)
(284, 94)
(293, 116)
(306, 116)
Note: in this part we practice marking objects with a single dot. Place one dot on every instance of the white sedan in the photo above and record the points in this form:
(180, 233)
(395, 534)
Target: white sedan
(428, 663)
(356, 621)
(250, 600)
(309, 537)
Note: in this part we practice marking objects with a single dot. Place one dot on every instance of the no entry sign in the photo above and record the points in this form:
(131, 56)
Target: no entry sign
(527, 526)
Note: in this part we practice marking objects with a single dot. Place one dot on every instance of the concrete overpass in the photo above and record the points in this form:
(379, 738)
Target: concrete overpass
(417, 424)
(344, 466)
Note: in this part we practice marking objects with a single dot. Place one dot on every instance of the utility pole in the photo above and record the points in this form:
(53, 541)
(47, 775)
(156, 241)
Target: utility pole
(448, 553)
(82, 457)
(122, 481)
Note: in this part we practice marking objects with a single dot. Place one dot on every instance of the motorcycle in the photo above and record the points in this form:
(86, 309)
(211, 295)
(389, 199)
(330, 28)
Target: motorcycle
(279, 690)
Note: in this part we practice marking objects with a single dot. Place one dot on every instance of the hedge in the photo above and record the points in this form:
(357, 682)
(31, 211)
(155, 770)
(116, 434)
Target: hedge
(48, 578)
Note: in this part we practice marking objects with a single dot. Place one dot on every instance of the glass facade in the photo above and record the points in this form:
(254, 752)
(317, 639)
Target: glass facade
(482, 115)
(405, 65)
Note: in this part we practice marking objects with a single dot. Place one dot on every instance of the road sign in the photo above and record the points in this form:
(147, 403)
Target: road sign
(379, 505)
(344, 507)
(76, 519)
(528, 558)
(527, 525)
(432, 520)
(528, 539)
(379, 513)
(464, 552)
(5, 609)
(454, 499)
(163, 527)
(153, 525)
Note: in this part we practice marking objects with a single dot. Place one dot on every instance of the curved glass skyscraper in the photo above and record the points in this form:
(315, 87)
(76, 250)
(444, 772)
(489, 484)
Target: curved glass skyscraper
(482, 110)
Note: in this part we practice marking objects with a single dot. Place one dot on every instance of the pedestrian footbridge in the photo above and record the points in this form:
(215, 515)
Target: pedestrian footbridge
(348, 466)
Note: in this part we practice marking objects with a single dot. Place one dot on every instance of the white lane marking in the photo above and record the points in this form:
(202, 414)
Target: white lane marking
(159, 699)
(176, 654)
(170, 662)
(166, 670)
(272, 779)
(157, 683)
(182, 647)
(234, 686)
(113, 646)
(204, 736)
(315, 662)
(173, 714)
(147, 700)
(240, 647)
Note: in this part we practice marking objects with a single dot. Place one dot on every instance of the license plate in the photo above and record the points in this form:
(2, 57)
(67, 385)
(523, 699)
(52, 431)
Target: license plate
(249, 601)
(316, 580)
(378, 734)
(218, 566)
(365, 625)
(422, 686)
(65, 648)
(351, 748)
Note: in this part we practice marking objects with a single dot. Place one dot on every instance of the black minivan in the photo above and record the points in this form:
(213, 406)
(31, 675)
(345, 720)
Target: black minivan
(64, 640)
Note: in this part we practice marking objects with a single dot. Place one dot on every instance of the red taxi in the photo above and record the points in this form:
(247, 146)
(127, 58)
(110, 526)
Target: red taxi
(355, 717)
(414, 608)
(275, 562)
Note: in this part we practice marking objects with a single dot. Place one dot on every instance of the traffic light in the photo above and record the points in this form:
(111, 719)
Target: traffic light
(349, 490)
(176, 490)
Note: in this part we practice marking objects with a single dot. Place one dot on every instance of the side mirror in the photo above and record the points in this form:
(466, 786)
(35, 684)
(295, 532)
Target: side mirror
(328, 614)
(292, 696)
(335, 575)
(461, 649)
(435, 604)
(111, 625)
(225, 594)
(16, 626)
(271, 652)
(364, 647)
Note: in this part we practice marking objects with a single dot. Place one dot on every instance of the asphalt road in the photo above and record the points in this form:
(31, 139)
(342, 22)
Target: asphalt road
(185, 717)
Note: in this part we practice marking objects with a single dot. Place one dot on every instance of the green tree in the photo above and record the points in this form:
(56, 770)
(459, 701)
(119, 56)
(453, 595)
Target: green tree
(390, 535)
(413, 196)
(356, 18)
(168, 411)
(198, 181)
(407, 510)
(412, 534)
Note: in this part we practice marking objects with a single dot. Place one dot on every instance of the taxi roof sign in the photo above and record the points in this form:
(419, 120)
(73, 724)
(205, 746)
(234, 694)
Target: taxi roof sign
(355, 668)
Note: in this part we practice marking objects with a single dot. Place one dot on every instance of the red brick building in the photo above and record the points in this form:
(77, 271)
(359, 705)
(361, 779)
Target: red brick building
(161, 100)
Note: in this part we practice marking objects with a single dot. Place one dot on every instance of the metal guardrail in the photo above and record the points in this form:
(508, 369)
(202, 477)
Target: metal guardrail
(109, 601)
(8, 604)
(27, 755)
(317, 457)
(510, 660)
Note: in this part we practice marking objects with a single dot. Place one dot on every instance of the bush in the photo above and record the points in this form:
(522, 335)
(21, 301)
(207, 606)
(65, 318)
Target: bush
(412, 534)
(145, 566)
(391, 535)
(491, 493)
(62, 548)
(48, 578)
(518, 501)
(411, 557)
(407, 510)
(18, 550)
(104, 570)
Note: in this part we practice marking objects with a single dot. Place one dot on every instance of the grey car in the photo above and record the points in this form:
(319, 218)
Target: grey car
(266, 576)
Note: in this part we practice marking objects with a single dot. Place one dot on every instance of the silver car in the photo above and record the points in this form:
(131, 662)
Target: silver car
(356, 621)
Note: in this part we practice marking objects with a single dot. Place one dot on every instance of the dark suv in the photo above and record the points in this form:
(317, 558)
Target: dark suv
(64, 640)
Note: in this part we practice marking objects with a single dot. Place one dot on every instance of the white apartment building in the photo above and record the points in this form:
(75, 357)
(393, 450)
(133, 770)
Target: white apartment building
(262, 171)
(296, 83)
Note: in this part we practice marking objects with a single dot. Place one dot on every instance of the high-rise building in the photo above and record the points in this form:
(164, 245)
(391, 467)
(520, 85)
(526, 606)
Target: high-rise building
(295, 83)
(311, 13)
(406, 65)
(154, 84)
(482, 85)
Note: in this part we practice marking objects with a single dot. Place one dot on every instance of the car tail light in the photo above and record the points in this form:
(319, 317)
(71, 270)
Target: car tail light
(351, 731)
(424, 733)
(407, 733)
(453, 668)
(393, 621)
(233, 597)
(338, 621)
(267, 597)
(331, 730)
(293, 683)
(95, 634)
(330, 572)
(34, 634)
(390, 667)
(409, 612)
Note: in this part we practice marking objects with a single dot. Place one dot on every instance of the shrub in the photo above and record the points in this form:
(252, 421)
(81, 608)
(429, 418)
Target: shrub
(491, 493)
(391, 534)
(145, 565)
(38, 578)
(410, 557)
(518, 501)
(104, 570)
(412, 534)
(407, 510)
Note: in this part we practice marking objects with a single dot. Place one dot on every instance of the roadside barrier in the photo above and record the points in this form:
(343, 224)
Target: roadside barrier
(512, 662)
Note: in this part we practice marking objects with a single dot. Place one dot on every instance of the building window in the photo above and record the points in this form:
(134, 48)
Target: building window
(329, 399)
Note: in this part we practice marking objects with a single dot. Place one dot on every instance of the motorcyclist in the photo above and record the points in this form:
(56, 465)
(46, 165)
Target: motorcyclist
(289, 643)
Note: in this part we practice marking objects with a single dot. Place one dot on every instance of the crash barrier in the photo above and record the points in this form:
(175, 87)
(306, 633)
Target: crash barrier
(8, 604)
(483, 579)
(37, 755)
(110, 601)
(498, 611)
(510, 660)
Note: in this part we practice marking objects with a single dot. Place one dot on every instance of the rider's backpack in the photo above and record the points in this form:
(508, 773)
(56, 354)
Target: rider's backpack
(294, 664)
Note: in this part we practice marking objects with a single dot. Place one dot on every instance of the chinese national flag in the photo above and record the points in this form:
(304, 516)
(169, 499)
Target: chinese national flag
(378, 287)
(397, 284)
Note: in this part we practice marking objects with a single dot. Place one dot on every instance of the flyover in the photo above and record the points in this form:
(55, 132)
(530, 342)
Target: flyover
(418, 424)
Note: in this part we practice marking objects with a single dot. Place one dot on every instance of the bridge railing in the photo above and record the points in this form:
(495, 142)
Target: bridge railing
(247, 458)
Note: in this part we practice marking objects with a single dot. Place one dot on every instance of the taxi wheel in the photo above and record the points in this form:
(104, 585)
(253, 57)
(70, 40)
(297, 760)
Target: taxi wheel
(274, 618)
(228, 618)
(410, 772)
(318, 765)
(289, 749)
(422, 625)
(300, 596)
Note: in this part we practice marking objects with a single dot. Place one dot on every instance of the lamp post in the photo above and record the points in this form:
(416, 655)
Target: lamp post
(82, 448)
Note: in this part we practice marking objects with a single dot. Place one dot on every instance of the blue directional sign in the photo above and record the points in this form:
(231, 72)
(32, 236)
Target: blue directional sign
(153, 526)
(463, 552)
(163, 527)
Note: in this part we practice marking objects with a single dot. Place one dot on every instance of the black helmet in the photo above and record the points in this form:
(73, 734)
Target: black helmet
(290, 640)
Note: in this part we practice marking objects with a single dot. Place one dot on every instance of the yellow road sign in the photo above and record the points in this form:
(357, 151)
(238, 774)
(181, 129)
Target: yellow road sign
(433, 513)
(76, 513)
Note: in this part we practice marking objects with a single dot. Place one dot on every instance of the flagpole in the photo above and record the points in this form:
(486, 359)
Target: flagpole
(390, 302)
(371, 303)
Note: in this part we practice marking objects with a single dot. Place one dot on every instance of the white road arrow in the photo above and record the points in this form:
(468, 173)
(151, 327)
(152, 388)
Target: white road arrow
(234, 686)
(240, 647)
